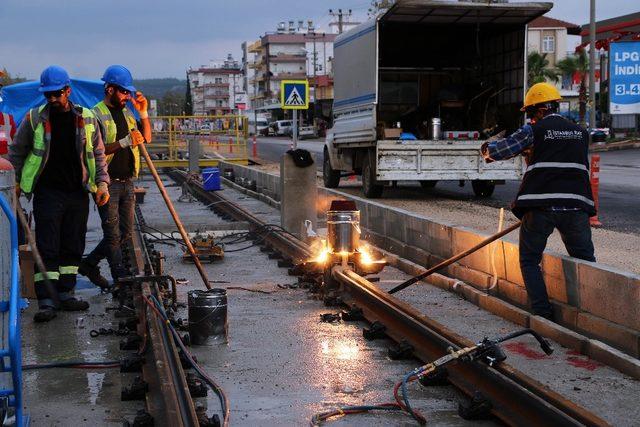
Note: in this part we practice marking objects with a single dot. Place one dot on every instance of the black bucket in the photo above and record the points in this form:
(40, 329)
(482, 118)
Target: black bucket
(207, 315)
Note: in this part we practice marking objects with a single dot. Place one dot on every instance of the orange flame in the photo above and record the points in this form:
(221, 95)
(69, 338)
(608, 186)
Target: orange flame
(320, 251)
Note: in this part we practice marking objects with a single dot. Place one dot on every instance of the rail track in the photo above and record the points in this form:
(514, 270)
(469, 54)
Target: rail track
(515, 398)
(163, 384)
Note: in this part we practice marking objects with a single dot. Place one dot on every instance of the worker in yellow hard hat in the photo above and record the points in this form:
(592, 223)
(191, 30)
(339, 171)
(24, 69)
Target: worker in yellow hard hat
(555, 190)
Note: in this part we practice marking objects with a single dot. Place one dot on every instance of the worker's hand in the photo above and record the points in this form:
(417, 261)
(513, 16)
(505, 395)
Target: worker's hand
(102, 194)
(527, 153)
(17, 191)
(141, 104)
(484, 151)
(136, 138)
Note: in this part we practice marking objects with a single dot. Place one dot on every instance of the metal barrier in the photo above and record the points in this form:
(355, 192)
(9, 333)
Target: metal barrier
(220, 138)
(11, 345)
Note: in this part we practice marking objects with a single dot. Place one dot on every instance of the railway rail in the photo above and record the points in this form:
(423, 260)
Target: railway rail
(167, 397)
(515, 398)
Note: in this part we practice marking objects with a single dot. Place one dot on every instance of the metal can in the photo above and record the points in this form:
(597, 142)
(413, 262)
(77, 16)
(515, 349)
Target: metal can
(343, 231)
(436, 128)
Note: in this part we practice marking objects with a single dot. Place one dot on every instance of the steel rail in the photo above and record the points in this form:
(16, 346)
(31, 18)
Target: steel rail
(517, 398)
(168, 399)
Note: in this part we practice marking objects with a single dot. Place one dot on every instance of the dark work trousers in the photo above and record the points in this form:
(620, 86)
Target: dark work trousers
(61, 227)
(117, 225)
(537, 226)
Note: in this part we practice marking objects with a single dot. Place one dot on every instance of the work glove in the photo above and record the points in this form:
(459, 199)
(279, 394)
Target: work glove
(136, 137)
(102, 194)
(141, 104)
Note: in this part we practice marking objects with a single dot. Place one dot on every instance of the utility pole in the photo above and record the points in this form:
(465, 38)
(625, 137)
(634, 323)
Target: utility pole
(340, 16)
(592, 65)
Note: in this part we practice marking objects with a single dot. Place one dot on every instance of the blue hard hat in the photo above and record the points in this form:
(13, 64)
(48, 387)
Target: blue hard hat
(53, 78)
(119, 75)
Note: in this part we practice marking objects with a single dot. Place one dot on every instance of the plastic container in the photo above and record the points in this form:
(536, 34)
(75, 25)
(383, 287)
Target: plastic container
(211, 179)
(207, 315)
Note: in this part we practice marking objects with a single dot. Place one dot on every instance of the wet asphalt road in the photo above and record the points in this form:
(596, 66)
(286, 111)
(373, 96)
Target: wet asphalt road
(619, 184)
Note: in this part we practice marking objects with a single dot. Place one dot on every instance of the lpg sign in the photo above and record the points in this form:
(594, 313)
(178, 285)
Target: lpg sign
(625, 78)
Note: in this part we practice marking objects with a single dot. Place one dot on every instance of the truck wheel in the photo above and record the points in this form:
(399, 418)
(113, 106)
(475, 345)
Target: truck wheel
(330, 176)
(483, 189)
(370, 186)
(428, 184)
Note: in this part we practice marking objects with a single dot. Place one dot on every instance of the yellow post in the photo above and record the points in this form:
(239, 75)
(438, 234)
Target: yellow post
(235, 120)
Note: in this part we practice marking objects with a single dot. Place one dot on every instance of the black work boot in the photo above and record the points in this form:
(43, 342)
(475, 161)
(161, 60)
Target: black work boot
(44, 315)
(73, 304)
(92, 272)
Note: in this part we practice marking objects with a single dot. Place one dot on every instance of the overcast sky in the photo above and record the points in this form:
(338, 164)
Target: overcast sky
(163, 38)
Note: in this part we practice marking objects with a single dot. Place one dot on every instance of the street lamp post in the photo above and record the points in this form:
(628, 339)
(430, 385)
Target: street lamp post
(592, 65)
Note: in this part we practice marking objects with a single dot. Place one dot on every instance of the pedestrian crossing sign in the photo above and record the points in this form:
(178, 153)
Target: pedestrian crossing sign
(294, 94)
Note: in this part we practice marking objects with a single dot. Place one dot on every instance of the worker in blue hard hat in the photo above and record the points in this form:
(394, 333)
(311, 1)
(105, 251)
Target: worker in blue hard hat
(59, 158)
(122, 135)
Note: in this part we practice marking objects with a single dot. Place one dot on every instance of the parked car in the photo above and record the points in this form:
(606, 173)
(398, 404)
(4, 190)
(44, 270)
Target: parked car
(306, 132)
(599, 134)
(282, 127)
(262, 126)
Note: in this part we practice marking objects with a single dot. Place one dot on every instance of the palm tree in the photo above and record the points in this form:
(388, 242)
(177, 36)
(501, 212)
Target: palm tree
(538, 70)
(578, 64)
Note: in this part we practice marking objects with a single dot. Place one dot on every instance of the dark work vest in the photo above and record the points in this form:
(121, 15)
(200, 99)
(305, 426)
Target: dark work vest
(558, 174)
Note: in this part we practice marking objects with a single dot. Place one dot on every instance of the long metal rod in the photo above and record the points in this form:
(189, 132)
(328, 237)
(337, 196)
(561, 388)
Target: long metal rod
(174, 215)
(455, 258)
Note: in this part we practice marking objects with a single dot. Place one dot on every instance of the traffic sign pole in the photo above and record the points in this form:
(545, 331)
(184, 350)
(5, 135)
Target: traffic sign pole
(295, 129)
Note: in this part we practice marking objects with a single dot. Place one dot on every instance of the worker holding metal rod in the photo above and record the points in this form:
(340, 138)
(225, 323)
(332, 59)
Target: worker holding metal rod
(58, 156)
(555, 190)
(122, 137)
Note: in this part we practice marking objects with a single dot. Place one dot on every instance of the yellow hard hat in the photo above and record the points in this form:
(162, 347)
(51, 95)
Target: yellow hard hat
(540, 93)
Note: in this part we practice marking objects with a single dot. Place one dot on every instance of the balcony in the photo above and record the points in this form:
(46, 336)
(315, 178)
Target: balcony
(288, 76)
(285, 57)
(255, 47)
(215, 85)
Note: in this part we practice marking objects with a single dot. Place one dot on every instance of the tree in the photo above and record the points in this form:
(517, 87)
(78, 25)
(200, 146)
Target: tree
(188, 103)
(578, 64)
(6, 79)
(378, 7)
(171, 104)
(538, 70)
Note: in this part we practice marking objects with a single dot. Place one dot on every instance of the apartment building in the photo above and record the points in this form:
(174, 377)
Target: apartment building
(293, 51)
(216, 88)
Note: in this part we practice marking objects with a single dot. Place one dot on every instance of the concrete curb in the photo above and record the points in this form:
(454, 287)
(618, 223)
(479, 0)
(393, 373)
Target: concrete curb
(626, 145)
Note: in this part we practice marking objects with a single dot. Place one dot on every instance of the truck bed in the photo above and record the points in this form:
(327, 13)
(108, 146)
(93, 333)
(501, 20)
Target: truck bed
(440, 160)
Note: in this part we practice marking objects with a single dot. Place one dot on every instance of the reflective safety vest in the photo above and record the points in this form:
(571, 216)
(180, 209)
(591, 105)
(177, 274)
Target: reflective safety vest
(558, 173)
(37, 158)
(104, 116)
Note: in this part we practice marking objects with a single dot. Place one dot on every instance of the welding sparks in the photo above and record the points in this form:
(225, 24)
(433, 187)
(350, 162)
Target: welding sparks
(321, 251)
(365, 255)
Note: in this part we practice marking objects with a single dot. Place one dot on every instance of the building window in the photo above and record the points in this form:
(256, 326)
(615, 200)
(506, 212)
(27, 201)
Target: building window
(218, 80)
(548, 44)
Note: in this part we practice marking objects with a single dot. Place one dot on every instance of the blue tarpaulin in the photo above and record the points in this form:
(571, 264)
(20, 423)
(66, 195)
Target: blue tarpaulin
(19, 98)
